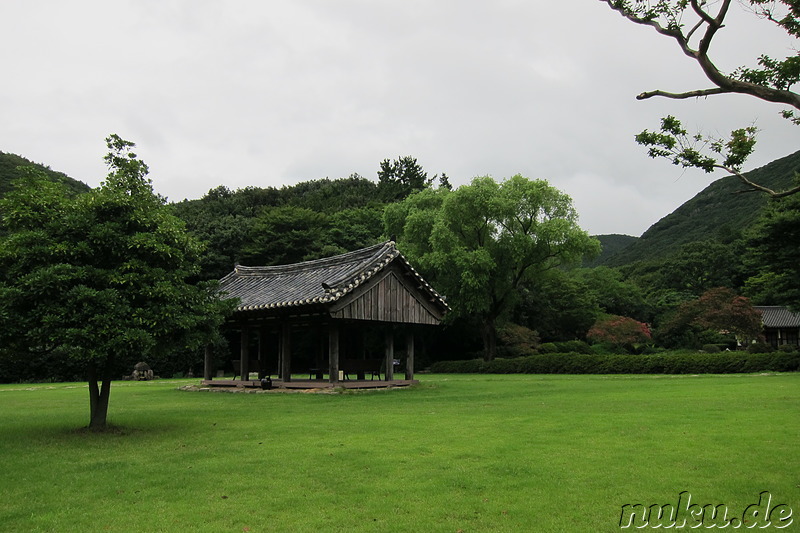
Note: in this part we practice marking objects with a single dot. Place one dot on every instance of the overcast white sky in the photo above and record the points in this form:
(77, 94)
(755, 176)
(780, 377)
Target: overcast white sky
(272, 92)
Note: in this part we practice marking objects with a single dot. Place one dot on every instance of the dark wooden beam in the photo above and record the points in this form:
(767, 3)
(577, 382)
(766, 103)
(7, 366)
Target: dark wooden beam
(389, 342)
(410, 354)
(286, 352)
(333, 352)
(244, 353)
(319, 358)
(263, 353)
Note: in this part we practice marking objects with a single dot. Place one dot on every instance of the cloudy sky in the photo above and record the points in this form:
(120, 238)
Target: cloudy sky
(273, 92)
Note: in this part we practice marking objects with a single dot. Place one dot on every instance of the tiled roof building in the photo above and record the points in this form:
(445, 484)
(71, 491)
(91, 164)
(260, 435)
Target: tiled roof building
(368, 289)
(781, 326)
(330, 285)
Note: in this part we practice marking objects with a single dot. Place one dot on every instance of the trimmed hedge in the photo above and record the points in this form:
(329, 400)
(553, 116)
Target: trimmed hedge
(665, 363)
(565, 347)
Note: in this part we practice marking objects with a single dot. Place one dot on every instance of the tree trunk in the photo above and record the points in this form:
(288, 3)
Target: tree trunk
(98, 399)
(489, 337)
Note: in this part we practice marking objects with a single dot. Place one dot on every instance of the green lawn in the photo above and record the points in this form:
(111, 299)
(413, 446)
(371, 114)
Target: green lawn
(458, 453)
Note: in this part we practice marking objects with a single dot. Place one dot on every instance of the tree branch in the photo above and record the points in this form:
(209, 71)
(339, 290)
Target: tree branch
(696, 27)
(680, 96)
(714, 24)
(708, 19)
(670, 31)
(756, 187)
(725, 83)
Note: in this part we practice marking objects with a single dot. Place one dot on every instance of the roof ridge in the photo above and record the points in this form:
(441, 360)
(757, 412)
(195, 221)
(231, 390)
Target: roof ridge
(313, 264)
(365, 269)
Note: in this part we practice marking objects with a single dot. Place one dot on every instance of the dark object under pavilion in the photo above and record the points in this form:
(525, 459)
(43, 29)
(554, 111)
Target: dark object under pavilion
(372, 289)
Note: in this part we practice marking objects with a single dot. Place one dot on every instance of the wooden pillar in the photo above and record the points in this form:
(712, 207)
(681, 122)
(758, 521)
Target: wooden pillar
(244, 353)
(279, 365)
(263, 335)
(286, 352)
(208, 363)
(319, 359)
(388, 337)
(333, 353)
(410, 354)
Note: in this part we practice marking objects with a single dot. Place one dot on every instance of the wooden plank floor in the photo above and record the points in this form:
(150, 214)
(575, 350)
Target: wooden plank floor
(312, 383)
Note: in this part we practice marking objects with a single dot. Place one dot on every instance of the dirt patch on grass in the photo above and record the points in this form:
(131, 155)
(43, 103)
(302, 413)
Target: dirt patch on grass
(244, 390)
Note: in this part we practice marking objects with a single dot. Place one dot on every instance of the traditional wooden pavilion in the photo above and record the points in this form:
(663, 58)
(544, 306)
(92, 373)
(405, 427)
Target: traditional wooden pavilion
(781, 326)
(371, 290)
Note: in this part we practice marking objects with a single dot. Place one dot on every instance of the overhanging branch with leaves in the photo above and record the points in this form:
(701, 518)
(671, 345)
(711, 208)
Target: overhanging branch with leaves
(693, 25)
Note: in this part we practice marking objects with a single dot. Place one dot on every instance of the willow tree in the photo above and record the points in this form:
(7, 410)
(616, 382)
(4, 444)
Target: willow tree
(693, 25)
(481, 242)
(101, 277)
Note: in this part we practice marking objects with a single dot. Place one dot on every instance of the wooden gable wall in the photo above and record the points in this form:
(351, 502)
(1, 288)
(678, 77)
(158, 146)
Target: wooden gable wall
(392, 296)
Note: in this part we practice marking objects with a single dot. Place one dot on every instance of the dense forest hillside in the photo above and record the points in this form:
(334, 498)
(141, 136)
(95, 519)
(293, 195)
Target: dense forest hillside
(270, 226)
(720, 212)
(9, 164)
(610, 245)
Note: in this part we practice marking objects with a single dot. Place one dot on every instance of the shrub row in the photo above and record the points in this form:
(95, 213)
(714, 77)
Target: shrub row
(665, 363)
(565, 347)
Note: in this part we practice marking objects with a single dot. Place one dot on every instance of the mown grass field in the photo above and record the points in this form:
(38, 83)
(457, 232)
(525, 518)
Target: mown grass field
(458, 453)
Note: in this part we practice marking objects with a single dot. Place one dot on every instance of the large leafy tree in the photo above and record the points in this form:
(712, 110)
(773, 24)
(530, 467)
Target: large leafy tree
(700, 266)
(773, 252)
(351, 229)
(401, 177)
(289, 234)
(694, 25)
(100, 278)
(223, 220)
(613, 294)
(619, 331)
(716, 310)
(558, 304)
(481, 242)
(328, 196)
(286, 234)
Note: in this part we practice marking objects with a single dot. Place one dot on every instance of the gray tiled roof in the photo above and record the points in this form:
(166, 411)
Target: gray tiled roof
(774, 316)
(322, 281)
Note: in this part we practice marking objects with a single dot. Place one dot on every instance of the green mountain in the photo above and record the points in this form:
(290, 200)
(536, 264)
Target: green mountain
(9, 164)
(721, 211)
